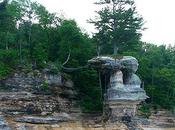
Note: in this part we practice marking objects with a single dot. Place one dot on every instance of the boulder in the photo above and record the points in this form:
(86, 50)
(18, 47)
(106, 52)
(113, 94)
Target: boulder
(133, 80)
(129, 63)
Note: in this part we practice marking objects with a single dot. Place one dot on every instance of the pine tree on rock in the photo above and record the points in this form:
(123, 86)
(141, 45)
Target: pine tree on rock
(119, 25)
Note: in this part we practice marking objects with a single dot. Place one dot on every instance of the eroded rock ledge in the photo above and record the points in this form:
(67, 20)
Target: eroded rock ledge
(123, 90)
(37, 92)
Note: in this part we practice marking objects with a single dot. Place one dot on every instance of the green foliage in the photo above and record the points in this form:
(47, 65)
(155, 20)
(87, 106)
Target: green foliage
(119, 26)
(158, 74)
(86, 82)
(46, 43)
(45, 85)
(8, 57)
(76, 43)
(40, 55)
(54, 67)
(27, 67)
(32, 37)
(4, 70)
(145, 109)
(156, 69)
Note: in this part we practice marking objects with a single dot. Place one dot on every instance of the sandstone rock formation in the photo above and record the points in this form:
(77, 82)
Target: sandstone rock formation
(3, 124)
(124, 90)
(36, 92)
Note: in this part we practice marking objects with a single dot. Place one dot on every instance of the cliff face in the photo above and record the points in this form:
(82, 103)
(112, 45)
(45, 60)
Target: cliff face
(41, 100)
(37, 92)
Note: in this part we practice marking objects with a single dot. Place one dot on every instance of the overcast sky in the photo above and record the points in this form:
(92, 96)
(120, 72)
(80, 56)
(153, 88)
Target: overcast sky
(158, 14)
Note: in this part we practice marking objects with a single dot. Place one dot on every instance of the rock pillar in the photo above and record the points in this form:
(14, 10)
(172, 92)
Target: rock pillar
(124, 90)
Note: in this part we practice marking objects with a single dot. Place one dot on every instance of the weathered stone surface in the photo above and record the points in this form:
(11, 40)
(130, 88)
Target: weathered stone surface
(36, 92)
(133, 81)
(129, 63)
(126, 94)
(44, 120)
(3, 124)
(25, 127)
(37, 120)
(35, 81)
(21, 103)
(54, 79)
(64, 116)
(104, 62)
(124, 91)
(69, 84)
(116, 79)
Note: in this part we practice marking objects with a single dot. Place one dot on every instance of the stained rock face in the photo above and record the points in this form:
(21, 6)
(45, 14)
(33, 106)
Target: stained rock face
(36, 92)
(124, 90)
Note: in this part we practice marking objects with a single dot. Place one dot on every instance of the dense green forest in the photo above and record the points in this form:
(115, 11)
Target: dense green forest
(31, 37)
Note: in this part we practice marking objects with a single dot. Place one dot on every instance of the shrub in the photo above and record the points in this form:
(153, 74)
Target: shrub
(4, 70)
(145, 110)
(9, 57)
(45, 85)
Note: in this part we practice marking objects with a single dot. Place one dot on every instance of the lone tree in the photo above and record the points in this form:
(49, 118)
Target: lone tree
(119, 26)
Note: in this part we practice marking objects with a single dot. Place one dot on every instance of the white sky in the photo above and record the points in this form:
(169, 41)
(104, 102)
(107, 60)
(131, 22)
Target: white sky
(158, 14)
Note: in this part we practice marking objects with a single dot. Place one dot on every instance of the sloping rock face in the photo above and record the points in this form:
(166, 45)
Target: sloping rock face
(124, 90)
(37, 92)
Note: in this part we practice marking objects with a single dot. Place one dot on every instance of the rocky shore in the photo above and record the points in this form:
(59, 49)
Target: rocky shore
(41, 100)
(63, 121)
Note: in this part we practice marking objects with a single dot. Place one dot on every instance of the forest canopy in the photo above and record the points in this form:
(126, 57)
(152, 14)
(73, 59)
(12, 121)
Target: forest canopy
(31, 36)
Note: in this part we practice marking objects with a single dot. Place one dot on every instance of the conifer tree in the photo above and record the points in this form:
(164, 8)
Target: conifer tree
(119, 25)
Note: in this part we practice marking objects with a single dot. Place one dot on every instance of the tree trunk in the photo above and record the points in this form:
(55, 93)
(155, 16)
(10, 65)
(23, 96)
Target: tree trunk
(98, 50)
(6, 42)
(20, 51)
(115, 49)
(152, 83)
(30, 43)
(114, 28)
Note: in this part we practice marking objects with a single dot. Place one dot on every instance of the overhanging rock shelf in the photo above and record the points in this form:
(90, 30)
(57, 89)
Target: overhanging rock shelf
(123, 92)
